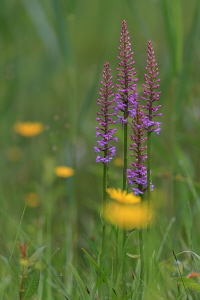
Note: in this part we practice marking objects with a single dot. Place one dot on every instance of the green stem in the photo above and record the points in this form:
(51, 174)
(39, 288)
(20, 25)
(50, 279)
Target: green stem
(117, 252)
(141, 254)
(105, 182)
(125, 189)
(21, 289)
(148, 165)
(125, 156)
(125, 160)
(142, 264)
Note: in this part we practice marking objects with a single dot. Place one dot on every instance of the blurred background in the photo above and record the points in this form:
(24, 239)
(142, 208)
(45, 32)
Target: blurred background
(51, 59)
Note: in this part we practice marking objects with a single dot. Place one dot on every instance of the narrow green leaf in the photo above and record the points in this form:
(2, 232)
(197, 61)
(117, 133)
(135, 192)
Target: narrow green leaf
(188, 55)
(123, 257)
(193, 286)
(139, 15)
(31, 283)
(112, 292)
(5, 261)
(35, 255)
(81, 285)
(177, 254)
(103, 274)
(162, 244)
(89, 98)
(44, 28)
(13, 270)
(189, 283)
(62, 29)
(133, 255)
(176, 11)
(166, 11)
(186, 280)
(93, 247)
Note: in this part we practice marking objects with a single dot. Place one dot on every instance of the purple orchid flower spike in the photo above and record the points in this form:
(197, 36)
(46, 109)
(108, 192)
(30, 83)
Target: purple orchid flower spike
(150, 91)
(137, 176)
(125, 98)
(104, 132)
(151, 96)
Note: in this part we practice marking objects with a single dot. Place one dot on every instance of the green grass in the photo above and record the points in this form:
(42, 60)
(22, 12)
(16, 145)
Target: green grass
(51, 59)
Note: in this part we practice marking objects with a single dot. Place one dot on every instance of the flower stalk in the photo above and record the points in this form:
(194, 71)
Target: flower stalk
(126, 96)
(125, 101)
(138, 174)
(24, 262)
(151, 96)
(105, 133)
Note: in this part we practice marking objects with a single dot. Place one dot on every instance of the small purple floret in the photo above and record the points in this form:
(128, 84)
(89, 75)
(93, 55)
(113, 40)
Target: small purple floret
(104, 131)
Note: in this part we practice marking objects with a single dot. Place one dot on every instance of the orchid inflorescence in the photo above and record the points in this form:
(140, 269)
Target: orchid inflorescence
(126, 97)
(150, 93)
(125, 105)
(106, 102)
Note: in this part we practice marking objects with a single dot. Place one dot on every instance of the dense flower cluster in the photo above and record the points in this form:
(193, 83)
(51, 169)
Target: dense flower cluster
(127, 94)
(105, 118)
(138, 175)
(150, 93)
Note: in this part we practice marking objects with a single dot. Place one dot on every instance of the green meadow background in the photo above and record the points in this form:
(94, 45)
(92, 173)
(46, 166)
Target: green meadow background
(51, 59)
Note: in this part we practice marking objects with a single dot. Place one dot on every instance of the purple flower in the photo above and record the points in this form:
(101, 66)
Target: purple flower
(150, 91)
(137, 176)
(104, 132)
(127, 94)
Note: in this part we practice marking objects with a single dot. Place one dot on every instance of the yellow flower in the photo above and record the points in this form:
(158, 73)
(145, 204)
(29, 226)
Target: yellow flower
(123, 196)
(28, 129)
(118, 162)
(64, 172)
(23, 262)
(32, 200)
(129, 216)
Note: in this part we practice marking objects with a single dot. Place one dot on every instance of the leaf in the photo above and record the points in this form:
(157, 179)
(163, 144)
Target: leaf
(13, 270)
(184, 279)
(123, 259)
(133, 255)
(31, 283)
(177, 254)
(93, 247)
(81, 285)
(101, 272)
(5, 261)
(193, 286)
(32, 259)
(188, 251)
(189, 283)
